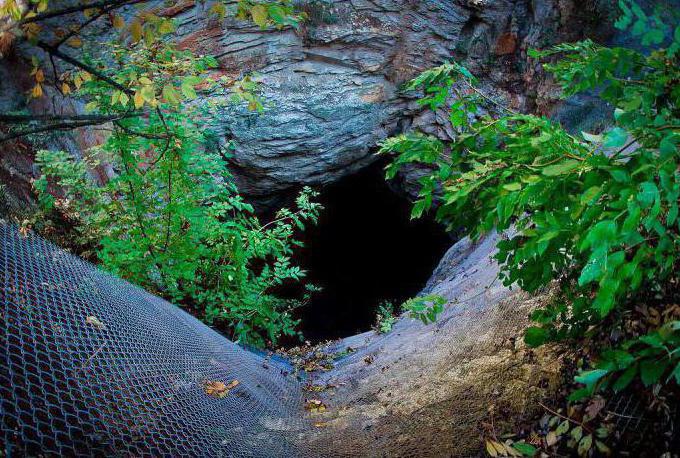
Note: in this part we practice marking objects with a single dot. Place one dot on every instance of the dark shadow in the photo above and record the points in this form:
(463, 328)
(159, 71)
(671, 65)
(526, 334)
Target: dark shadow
(364, 250)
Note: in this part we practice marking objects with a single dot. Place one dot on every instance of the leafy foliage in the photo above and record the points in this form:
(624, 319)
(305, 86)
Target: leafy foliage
(597, 212)
(425, 308)
(385, 318)
(168, 216)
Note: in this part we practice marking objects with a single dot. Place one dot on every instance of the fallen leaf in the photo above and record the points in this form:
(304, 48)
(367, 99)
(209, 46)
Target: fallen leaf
(551, 439)
(315, 405)
(490, 449)
(218, 389)
(94, 321)
(595, 407)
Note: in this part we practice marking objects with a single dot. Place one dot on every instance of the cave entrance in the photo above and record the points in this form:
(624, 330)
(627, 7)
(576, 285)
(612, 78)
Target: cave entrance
(365, 250)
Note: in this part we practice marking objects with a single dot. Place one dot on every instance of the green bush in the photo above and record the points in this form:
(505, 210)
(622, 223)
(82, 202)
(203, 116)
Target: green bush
(596, 212)
(170, 218)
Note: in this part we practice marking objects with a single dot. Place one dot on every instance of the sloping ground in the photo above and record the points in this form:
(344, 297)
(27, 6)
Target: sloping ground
(426, 390)
(91, 365)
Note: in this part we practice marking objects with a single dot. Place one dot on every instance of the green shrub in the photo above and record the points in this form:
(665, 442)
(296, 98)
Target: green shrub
(596, 212)
(170, 219)
(385, 317)
(425, 308)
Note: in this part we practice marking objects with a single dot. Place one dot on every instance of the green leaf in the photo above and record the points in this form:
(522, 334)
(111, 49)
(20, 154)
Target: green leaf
(651, 370)
(667, 146)
(592, 138)
(561, 168)
(590, 194)
(535, 336)
(648, 194)
(260, 15)
(624, 379)
(512, 186)
(187, 89)
(562, 428)
(585, 444)
(589, 378)
(170, 94)
(615, 138)
(602, 448)
(525, 449)
(147, 93)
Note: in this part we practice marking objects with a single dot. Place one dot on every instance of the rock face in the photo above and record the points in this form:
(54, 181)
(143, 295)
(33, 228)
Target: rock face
(429, 390)
(332, 88)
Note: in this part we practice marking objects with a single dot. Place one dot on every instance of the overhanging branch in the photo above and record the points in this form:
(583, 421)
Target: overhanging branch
(83, 66)
(77, 9)
(65, 125)
(16, 119)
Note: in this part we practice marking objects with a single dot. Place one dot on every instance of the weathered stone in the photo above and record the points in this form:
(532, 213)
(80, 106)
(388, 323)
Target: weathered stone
(429, 389)
(332, 88)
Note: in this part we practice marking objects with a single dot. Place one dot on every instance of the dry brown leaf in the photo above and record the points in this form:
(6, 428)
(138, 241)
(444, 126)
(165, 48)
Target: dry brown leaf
(218, 389)
(94, 321)
(315, 405)
(74, 42)
(23, 231)
(595, 407)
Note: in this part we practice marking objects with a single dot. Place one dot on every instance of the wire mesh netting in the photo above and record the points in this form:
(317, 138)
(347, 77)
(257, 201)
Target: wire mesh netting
(92, 365)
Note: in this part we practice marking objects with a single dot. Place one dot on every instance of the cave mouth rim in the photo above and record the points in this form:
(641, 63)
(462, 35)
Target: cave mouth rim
(332, 219)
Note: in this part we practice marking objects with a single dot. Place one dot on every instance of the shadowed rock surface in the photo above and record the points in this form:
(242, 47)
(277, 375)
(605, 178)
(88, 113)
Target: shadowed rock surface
(331, 88)
(427, 390)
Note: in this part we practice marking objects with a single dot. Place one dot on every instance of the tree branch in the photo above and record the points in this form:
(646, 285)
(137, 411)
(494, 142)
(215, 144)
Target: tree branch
(60, 126)
(75, 9)
(15, 119)
(88, 68)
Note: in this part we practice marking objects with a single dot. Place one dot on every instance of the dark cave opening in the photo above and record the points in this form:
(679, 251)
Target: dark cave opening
(365, 250)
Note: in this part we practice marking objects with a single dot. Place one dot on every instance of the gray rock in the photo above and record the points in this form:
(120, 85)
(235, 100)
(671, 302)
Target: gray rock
(332, 88)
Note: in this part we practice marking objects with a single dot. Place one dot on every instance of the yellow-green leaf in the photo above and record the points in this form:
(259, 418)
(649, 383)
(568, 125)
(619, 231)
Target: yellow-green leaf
(260, 15)
(170, 94)
(139, 99)
(136, 30)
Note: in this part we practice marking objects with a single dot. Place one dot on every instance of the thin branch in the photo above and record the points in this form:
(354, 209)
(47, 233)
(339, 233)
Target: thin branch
(93, 18)
(578, 423)
(16, 119)
(141, 134)
(88, 68)
(72, 9)
(67, 123)
(48, 128)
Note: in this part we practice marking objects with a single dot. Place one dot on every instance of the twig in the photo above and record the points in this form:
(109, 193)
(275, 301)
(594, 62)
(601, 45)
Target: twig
(75, 9)
(563, 417)
(11, 119)
(78, 121)
(89, 359)
(37, 130)
(76, 63)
